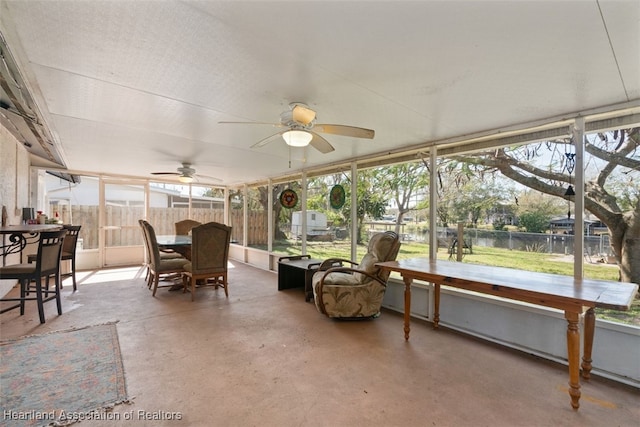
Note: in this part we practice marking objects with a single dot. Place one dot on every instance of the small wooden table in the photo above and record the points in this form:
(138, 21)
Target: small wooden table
(549, 290)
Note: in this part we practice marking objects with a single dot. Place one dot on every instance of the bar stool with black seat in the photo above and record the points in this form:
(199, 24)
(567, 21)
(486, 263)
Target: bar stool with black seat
(47, 264)
(68, 252)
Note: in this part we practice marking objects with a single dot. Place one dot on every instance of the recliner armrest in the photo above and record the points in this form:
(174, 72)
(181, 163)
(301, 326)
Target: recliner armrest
(333, 262)
(349, 270)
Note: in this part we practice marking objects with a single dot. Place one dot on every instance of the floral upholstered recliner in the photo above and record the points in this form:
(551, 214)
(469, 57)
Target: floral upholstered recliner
(355, 291)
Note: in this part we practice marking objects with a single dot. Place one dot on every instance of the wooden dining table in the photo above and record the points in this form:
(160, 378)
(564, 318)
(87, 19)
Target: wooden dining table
(16, 237)
(574, 296)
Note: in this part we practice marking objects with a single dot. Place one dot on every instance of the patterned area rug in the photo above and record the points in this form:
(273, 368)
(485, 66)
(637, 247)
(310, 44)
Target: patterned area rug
(61, 377)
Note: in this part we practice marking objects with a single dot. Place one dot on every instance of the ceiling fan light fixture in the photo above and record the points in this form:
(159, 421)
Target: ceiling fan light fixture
(185, 179)
(297, 138)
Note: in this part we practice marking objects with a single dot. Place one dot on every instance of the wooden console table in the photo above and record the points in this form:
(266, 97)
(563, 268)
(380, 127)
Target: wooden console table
(549, 290)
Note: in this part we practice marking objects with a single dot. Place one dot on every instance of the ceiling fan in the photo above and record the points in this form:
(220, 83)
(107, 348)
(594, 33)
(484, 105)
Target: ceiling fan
(302, 129)
(186, 174)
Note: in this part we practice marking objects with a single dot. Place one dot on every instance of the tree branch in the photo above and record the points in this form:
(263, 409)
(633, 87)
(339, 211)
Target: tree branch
(618, 158)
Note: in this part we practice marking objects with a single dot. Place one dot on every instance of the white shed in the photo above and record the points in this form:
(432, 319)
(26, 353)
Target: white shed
(316, 224)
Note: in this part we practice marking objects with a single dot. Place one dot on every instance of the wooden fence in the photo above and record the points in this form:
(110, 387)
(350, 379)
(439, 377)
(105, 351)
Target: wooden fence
(128, 232)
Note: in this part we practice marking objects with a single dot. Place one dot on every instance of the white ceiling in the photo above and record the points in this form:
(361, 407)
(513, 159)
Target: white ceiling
(133, 87)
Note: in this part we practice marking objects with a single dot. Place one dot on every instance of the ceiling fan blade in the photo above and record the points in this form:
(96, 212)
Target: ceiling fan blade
(267, 140)
(302, 114)
(321, 144)
(207, 177)
(165, 173)
(277, 125)
(343, 130)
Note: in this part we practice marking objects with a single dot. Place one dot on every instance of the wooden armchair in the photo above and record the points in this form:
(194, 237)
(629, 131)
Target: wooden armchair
(357, 290)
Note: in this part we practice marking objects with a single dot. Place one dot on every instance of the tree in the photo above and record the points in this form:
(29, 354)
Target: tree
(371, 201)
(318, 190)
(614, 158)
(536, 209)
(401, 182)
(475, 199)
(453, 176)
(534, 221)
(262, 197)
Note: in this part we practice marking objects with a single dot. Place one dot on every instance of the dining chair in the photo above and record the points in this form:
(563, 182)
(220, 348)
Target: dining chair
(184, 227)
(68, 252)
(148, 255)
(157, 265)
(164, 254)
(209, 258)
(47, 264)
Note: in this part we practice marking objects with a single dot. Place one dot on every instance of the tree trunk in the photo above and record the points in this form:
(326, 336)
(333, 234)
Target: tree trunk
(626, 247)
(278, 234)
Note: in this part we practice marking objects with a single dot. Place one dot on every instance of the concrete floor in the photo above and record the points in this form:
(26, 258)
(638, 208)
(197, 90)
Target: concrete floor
(267, 358)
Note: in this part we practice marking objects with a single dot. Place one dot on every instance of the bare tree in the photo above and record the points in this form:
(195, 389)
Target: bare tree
(617, 152)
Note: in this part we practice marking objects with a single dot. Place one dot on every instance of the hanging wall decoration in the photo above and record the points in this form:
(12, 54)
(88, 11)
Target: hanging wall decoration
(337, 196)
(288, 198)
(569, 166)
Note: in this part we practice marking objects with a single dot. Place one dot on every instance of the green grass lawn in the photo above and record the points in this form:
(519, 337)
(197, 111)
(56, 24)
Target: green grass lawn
(528, 261)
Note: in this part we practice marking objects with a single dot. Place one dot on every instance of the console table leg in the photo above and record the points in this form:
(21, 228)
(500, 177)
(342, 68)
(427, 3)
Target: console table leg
(407, 305)
(573, 356)
(589, 329)
(436, 305)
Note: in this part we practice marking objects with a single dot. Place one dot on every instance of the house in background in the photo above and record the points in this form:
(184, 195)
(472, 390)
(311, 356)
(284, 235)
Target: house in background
(61, 193)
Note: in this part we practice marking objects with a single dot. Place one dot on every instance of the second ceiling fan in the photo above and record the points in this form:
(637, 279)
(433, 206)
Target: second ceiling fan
(186, 174)
(302, 129)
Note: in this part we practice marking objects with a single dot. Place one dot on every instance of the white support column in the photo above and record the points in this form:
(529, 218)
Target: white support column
(245, 216)
(270, 216)
(189, 209)
(226, 206)
(354, 211)
(102, 237)
(433, 204)
(303, 202)
(578, 242)
(147, 200)
(433, 223)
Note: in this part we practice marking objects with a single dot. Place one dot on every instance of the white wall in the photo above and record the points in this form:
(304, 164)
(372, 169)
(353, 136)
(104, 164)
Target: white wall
(14, 187)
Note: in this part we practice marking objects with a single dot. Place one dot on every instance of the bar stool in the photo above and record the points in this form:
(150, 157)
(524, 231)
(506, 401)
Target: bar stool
(47, 264)
(68, 251)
